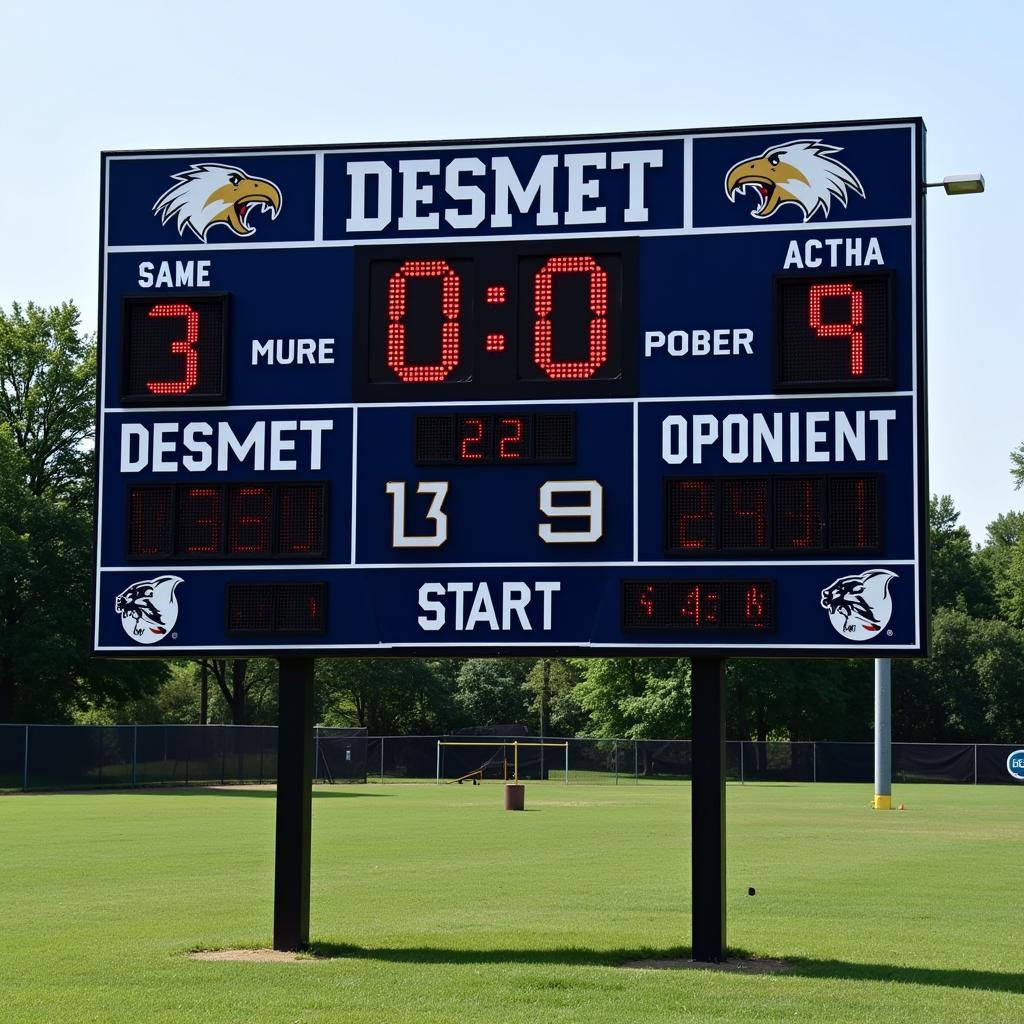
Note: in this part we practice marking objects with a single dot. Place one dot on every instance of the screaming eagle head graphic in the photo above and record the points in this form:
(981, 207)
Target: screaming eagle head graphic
(149, 609)
(859, 607)
(802, 172)
(210, 194)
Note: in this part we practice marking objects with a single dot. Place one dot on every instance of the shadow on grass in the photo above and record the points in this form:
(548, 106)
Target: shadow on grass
(201, 789)
(802, 967)
(319, 792)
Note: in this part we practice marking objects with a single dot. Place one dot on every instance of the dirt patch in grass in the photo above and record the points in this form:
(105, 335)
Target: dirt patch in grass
(253, 956)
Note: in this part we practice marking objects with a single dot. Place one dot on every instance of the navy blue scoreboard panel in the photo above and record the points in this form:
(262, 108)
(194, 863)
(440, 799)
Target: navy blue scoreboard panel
(632, 393)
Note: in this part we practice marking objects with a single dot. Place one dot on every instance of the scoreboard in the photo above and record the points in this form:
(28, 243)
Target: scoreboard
(653, 393)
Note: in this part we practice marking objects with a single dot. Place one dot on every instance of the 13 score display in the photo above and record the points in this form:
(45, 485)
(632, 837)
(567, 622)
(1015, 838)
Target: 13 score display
(659, 393)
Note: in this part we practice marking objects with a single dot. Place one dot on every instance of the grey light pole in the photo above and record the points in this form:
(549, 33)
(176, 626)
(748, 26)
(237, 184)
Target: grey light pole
(954, 185)
(883, 735)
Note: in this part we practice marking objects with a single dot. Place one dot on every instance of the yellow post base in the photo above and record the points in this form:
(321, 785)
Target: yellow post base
(882, 803)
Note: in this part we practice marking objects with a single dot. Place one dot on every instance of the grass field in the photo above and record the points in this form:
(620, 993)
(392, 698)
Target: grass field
(446, 908)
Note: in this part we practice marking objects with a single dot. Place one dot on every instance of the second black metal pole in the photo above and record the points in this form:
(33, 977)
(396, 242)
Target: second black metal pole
(707, 691)
(294, 803)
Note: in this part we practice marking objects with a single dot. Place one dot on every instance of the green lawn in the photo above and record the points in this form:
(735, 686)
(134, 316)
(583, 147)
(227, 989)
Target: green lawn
(449, 909)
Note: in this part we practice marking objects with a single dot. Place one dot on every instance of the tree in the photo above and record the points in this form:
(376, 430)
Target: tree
(1003, 557)
(958, 578)
(635, 698)
(551, 681)
(247, 688)
(798, 699)
(972, 687)
(47, 383)
(389, 696)
(47, 372)
(491, 691)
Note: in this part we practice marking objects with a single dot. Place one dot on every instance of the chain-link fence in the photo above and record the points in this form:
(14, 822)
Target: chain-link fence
(41, 757)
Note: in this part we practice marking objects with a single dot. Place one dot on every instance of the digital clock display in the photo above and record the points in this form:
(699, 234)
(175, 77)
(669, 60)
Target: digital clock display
(834, 333)
(495, 320)
(484, 439)
(173, 350)
(688, 606)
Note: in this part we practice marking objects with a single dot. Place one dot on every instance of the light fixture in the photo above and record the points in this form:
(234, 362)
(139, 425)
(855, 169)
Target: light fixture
(960, 184)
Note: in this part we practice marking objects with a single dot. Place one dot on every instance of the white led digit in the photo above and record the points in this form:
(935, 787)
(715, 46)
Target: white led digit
(592, 510)
(399, 538)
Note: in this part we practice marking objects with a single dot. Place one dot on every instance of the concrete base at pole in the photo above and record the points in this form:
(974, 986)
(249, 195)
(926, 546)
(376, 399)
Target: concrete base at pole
(515, 797)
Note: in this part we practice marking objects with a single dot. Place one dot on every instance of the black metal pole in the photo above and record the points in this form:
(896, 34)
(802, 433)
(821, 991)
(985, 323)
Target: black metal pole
(708, 808)
(294, 803)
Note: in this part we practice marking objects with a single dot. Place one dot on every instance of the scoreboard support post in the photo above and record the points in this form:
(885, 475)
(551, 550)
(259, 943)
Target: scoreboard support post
(708, 809)
(294, 803)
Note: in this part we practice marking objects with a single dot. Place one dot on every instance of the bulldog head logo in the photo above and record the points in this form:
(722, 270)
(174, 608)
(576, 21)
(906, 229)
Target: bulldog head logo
(149, 609)
(802, 172)
(210, 194)
(859, 607)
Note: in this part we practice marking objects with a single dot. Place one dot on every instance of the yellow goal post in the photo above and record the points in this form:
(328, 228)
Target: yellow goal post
(514, 744)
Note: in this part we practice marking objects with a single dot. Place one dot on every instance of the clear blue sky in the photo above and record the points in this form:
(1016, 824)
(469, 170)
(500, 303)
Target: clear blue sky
(79, 78)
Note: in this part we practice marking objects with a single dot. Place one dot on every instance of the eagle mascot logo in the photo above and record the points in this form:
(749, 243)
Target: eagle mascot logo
(859, 607)
(149, 609)
(210, 194)
(802, 172)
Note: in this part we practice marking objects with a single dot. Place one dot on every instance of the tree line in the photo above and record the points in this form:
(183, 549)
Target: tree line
(970, 689)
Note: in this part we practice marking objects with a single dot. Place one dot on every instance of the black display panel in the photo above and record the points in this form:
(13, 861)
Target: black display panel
(790, 515)
(694, 606)
(224, 523)
(173, 350)
(276, 608)
(834, 332)
(505, 439)
(495, 320)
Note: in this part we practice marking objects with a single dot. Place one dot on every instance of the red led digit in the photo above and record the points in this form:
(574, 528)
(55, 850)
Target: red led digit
(510, 443)
(851, 329)
(149, 521)
(301, 520)
(711, 598)
(397, 307)
(753, 606)
(701, 607)
(543, 303)
(745, 517)
(182, 347)
(805, 533)
(693, 522)
(646, 601)
(862, 536)
(200, 520)
(691, 610)
(249, 520)
(472, 446)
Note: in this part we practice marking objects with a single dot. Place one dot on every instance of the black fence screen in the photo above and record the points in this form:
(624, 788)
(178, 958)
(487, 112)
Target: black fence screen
(341, 755)
(992, 763)
(37, 757)
(12, 755)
